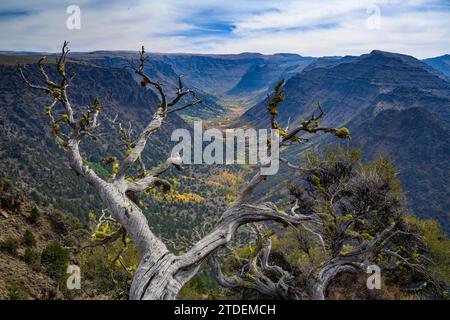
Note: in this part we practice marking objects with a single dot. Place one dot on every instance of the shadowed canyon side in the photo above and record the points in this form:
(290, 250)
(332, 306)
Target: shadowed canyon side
(346, 89)
(394, 107)
(27, 146)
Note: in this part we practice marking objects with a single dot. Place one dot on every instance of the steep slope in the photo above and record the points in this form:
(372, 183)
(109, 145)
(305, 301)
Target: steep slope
(22, 274)
(441, 64)
(394, 106)
(28, 151)
(160, 71)
(27, 148)
(260, 78)
(326, 62)
(346, 89)
(215, 74)
(418, 142)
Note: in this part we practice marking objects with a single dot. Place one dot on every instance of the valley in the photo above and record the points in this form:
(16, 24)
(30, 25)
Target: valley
(353, 91)
(395, 106)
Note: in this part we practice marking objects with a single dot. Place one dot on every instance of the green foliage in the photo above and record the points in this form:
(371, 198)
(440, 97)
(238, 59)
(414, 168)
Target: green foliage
(346, 249)
(96, 104)
(316, 182)
(115, 168)
(114, 164)
(108, 270)
(28, 239)
(356, 202)
(16, 291)
(105, 229)
(34, 215)
(56, 93)
(346, 218)
(437, 243)
(10, 245)
(388, 172)
(200, 287)
(57, 128)
(31, 257)
(55, 259)
(10, 198)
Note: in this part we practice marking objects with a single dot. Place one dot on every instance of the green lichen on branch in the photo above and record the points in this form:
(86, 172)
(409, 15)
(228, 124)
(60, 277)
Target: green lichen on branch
(342, 133)
(114, 164)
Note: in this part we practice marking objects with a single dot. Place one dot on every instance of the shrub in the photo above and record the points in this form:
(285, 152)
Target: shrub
(438, 244)
(16, 291)
(10, 245)
(55, 259)
(28, 239)
(34, 215)
(31, 257)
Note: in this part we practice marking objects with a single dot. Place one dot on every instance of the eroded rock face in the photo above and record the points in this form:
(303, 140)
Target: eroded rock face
(394, 105)
(347, 87)
(27, 146)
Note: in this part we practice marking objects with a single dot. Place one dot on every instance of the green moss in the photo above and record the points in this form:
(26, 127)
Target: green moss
(65, 118)
(367, 236)
(57, 128)
(115, 168)
(437, 243)
(56, 93)
(342, 133)
(346, 249)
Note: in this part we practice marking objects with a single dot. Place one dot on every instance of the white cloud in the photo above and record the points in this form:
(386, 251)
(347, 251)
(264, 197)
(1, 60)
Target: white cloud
(332, 27)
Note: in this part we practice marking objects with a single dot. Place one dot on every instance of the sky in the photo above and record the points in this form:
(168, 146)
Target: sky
(308, 27)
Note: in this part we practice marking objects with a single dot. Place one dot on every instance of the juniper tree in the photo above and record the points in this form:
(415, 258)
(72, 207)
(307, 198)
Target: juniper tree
(359, 220)
(161, 273)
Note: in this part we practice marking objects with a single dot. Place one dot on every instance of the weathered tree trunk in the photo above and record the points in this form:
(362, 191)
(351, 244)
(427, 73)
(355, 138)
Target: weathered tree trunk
(318, 285)
(157, 276)
(317, 290)
(155, 280)
(161, 279)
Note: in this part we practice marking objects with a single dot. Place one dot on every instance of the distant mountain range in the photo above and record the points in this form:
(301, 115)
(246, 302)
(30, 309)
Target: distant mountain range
(395, 105)
(347, 87)
(441, 64)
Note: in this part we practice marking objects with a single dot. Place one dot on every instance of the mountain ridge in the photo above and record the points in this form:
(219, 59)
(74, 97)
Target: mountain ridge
(383, 93)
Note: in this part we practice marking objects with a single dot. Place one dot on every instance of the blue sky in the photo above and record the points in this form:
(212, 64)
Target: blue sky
(315, 28)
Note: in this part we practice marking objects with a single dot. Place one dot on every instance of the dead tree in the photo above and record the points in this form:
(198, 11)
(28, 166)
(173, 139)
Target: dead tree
(160, 274)
(256, 273)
